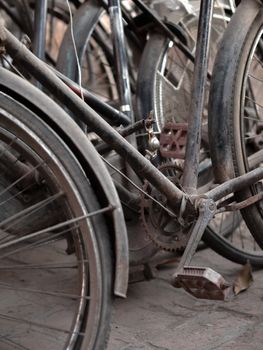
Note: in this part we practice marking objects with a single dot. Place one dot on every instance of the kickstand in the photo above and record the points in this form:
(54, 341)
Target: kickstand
(202, 282)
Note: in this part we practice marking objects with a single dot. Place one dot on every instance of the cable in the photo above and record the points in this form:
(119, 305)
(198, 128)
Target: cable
(75, 50)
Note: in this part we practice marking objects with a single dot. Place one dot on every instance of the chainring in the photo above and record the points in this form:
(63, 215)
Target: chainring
(163, 229)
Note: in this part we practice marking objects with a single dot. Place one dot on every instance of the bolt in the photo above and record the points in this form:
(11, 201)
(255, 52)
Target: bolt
(202, 206)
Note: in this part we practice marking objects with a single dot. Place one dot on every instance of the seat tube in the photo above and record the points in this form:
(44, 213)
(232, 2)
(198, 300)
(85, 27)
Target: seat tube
(191, 164)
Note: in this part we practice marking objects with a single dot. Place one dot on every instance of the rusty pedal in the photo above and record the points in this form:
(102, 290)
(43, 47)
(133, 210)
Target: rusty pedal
(203, 283)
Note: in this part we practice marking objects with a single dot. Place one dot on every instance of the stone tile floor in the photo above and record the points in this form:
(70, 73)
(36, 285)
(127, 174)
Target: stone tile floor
(156, 316)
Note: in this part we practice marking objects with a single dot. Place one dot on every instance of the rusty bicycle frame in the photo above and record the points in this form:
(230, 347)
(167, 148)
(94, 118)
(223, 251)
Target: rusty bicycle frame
(184, 203)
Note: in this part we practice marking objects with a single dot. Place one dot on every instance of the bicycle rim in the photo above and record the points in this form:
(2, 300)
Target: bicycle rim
(247, 122)
(53, 292)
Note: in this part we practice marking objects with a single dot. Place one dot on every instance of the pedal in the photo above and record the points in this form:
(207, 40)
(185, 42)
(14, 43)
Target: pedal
(203, 283)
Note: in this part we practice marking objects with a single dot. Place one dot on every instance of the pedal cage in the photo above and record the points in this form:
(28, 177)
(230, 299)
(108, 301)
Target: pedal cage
(203, 283)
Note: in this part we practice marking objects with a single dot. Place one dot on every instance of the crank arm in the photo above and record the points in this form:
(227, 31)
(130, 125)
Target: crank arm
(202, 282)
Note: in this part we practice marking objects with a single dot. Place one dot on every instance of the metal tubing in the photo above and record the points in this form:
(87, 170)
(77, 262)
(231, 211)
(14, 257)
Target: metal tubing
(236, 184)
(207, 209)
(122, 70)
(121, 58)
(113, 115)
(40, 28)
(191, 164)
(47, 78)
(24, 14)
(128, 198)
(103, 147)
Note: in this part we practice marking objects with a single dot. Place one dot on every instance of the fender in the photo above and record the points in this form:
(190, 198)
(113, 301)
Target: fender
(92, 164)
(221, 152)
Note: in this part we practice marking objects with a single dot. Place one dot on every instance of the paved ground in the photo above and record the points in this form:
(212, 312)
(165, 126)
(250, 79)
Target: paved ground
(157, 316)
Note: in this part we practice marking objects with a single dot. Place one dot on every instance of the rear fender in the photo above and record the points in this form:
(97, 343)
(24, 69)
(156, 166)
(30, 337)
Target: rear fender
(87, 155)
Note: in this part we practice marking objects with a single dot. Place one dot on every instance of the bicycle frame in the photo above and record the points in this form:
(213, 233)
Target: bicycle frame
(124, 114)
(121, 60)
(141, 165)
(184, 203)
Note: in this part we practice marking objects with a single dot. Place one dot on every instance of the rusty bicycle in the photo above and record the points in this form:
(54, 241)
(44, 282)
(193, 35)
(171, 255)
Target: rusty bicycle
(164, 87)
(49, 167)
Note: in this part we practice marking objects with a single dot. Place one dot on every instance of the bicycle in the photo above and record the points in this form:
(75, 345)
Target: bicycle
(89, 18)
(189, 211)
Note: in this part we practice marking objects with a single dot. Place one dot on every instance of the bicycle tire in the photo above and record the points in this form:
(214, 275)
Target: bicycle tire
(26, 138)
(92, 36)
(152, 96)
(235, 108)
(95, 56)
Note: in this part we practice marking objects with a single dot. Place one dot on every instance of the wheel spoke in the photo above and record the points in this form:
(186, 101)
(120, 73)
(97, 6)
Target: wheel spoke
(28, 211)
(37, 324)
(58, 294)
(43, 266)
(21, 178)
(39, 243)
(52, 228)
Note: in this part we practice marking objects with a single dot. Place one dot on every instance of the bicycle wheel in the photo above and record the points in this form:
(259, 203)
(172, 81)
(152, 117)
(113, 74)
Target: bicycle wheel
(164, 86)
(165, 75)
(56, 23)
(91, 27)
(93, 39)
(56, 269)
(236, 104)
(56, 26)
